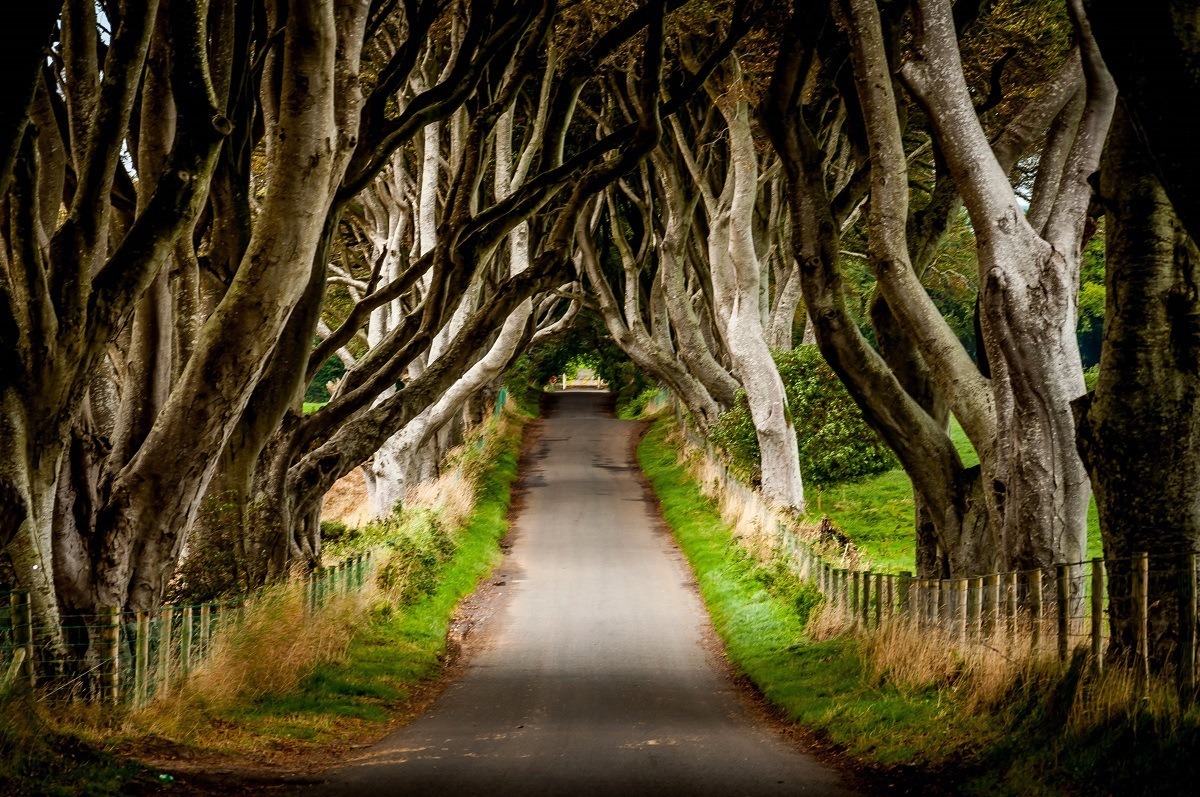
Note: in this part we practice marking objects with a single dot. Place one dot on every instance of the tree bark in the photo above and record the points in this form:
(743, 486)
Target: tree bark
(1139, 431)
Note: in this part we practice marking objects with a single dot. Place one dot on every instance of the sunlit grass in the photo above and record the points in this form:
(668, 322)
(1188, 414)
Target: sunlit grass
(877, 513)
(904, 703)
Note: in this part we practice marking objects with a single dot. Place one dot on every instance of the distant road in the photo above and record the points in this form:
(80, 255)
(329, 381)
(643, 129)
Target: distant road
(593, 677)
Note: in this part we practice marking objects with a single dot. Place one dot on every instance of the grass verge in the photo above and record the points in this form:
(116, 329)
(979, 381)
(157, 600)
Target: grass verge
(1039, 731)
(377, 656)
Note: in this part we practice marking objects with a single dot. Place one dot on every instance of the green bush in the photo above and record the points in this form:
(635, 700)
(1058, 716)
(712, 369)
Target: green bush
(420, 547)
(635, 405)
(836, 445)
(335, 531)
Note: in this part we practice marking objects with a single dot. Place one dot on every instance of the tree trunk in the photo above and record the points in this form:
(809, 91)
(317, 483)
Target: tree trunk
(737, 294)
(1139, 432)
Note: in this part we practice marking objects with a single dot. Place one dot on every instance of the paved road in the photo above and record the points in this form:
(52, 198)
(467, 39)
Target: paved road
(594, 678)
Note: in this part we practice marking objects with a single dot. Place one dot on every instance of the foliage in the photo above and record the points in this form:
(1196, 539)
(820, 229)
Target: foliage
(877, 513)
(585, 343)
(1091, 300)
(836, 445)
(635, 406)
(213, 565)
(318, 391)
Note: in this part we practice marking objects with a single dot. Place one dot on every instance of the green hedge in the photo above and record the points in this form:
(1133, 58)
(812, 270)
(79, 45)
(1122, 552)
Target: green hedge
(836, 445)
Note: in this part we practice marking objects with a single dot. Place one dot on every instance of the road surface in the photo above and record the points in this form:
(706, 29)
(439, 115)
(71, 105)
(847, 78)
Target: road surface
(594, 677)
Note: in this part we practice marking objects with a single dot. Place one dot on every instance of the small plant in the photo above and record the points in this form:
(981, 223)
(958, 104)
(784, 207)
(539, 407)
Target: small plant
(336, 531)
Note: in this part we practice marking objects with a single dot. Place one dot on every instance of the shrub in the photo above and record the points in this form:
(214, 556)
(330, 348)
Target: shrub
(335, 531)
(836, 445)
(635, 405)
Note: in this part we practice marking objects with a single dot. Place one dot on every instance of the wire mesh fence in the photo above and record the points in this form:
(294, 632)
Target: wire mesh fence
(132, 658)
(1140, 610)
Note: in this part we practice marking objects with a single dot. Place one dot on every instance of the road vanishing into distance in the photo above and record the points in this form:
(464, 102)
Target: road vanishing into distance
(594, 675)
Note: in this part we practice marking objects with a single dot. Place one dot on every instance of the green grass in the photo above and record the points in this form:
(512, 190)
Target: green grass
(818, 685)
(312, 406)
(878, 514)
(35, 758)
(1023, 746)
(398, 649)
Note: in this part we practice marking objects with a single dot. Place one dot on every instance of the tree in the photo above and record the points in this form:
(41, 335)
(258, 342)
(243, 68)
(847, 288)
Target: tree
(1136, 430)
(1025, 506)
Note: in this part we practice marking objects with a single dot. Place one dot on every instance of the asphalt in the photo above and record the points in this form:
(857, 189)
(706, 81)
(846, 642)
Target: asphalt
(595, 676)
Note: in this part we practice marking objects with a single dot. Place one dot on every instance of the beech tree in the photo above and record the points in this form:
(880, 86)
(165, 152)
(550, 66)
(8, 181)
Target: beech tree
(1137, 430)
(153, 385)
(82, 242)
(1025, 505)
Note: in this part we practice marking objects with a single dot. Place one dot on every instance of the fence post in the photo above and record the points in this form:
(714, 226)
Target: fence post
(975, 609)
(1187, 643)
(928, 603)
(889, 601)
(205, 630)
(945, 605)
(110, 647)
(1010, 606)
(1035, 606)
(990, 605)
(1141, 610)
(141, 659)
(1062, 583)
(165, 619)
(904, 585)
(855, 597)
(960, 587)
(922, 605)
(22, 621)
(879, 600)
(865, 599)
(185, 642)
(1098, 615)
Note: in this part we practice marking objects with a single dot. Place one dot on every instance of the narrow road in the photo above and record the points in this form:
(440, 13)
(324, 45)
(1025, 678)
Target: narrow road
(594, 678)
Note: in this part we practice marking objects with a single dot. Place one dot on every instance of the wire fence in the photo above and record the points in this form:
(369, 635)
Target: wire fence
(132, 658)
(1137, 611)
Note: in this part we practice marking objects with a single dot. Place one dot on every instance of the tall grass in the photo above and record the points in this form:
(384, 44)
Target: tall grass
(269, 651)
(754, 525)
(282, 654)
(903, 701)
(283, 681)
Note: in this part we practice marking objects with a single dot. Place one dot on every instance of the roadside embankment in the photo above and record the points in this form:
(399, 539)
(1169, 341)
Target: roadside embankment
(290, 690)
(918, 716)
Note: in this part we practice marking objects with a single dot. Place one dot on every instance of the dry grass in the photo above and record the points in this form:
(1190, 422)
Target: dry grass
(755, 526)
(451, 495)
(269, 651)
(986, 677)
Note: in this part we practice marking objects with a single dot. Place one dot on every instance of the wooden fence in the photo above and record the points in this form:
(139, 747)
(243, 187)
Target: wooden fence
(1056, 610)
(132, 658)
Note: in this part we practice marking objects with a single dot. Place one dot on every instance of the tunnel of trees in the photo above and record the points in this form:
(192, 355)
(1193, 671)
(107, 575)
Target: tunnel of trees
(212, 209)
